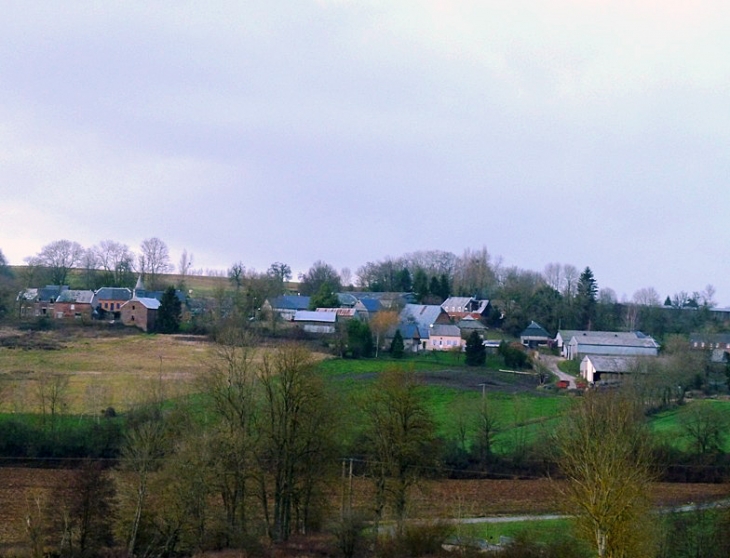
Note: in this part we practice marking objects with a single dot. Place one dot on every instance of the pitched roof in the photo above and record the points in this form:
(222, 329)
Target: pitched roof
(342, 312)
(290, 302)
(387, 299)
(371, 304)
(471, 323)
(616, 364)
(50, 292)
(459, 302)
(445, 330)
(112, 293)
(77, 297)
(409, 331)
(149, 303)
(314, 316)
(535, 330)
(568, 334)
(422, 314)
(615, 340)
(28, 294)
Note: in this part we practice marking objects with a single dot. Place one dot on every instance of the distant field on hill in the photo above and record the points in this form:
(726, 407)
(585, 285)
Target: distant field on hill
(200, 285)
(103, 370)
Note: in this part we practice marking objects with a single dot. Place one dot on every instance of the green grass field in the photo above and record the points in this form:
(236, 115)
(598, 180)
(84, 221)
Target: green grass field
(120, 371)
(672, 426)
(537, 530)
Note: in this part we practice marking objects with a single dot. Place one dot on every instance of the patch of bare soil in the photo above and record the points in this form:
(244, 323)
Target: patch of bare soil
(22, 489)
(466, 379)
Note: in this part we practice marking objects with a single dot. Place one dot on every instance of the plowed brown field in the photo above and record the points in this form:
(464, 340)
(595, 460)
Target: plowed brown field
(22, 489)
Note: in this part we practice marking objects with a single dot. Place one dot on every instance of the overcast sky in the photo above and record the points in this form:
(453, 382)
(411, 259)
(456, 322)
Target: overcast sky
(594, 133)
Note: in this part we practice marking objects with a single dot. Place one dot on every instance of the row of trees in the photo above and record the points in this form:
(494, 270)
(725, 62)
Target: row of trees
(108, 263)
(561, 297)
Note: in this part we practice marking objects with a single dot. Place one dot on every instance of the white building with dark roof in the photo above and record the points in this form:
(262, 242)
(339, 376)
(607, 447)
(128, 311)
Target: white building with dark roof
(599, 368)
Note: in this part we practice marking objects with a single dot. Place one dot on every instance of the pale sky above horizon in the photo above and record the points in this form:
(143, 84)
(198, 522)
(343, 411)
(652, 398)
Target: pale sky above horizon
(592, 133)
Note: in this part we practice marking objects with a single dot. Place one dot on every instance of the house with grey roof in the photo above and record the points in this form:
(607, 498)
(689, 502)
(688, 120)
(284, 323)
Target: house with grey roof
(140, 312)
(109, 301)
(458, 307)
(38, 302)
(74, 304)
(424, 315)
(468, 324)
(387, 300)
(411, 337)
(421, 317)
(444, 337)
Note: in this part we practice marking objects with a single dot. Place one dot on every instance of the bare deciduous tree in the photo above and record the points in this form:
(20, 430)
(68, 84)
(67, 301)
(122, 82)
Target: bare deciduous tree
(646, 296)
(553, 274)
(154, 260)
(51, 391)
(604, 455)
(59, 257)
(399, 432)
(474, 274)
(570, 281)
(186, 262)
(297, 439)
(117, 261)
(231, 383)
(487, 425)
(236, 274)
(144, 445)
(704, 424)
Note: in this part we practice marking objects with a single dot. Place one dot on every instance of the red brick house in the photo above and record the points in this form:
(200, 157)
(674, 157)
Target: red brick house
(110, 300)
(73, 304)
(140, 312)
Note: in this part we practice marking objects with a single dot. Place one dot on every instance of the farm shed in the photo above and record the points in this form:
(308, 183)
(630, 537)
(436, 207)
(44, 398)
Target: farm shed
(316, 322)
(597, 368)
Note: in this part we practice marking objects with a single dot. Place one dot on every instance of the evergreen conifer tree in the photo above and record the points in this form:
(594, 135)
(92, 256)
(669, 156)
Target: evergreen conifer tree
(476, 353)
(169, 314)
(397, 346)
